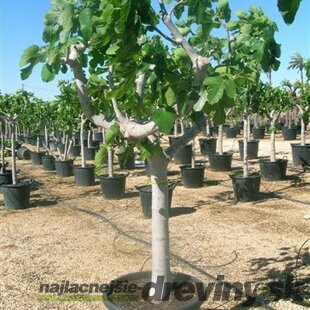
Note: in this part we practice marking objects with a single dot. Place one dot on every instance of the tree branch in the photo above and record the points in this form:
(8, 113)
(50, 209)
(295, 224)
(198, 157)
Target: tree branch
(200, 63)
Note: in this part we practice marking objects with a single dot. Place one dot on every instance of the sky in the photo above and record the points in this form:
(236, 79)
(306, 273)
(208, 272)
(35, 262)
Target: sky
(21, 25)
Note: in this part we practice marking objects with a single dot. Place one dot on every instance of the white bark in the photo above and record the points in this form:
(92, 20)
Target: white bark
(82, 142)
(303, 132)
(110, 162)
(220, 140)
(2, 147)
(160, 218)
(89, 138)
(245, 147)
(193, 154)
(249, 128)
(273, 142)
(38, 144)
(13, 154)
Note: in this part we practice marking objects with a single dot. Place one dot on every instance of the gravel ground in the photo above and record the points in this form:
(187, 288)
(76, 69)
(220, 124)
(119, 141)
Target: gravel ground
(73, 234)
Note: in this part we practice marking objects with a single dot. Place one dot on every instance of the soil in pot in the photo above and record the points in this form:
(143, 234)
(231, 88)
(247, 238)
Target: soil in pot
(258, 133)
(138, 299)
(48, 163)
(23, 153)
(273, 171)
(193, 177)
(289, 133)
(230, 132)
(84, 176)
(113, 187)
(64, 168)
(207, 146)
(220, 162)
(146, 198)
(252, 149)
(36, 158)
(89, 153)
(127, 161)
(246, 189)
(17, 196)
(301, 155)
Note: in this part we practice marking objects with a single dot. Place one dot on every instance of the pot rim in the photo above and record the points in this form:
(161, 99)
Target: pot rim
(272, 162)
(238, 175)
(88, 166)
(18, 185)
(115, 176)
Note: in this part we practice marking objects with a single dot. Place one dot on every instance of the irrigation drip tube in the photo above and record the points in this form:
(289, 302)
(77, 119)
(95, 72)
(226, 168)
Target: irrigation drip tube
(176, 257)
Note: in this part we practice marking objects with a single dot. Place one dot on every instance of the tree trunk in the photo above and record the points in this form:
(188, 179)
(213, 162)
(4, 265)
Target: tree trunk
(289, 119)
(103, 135)
(295, 116)
(248, 128)
(46, 137)
(273, 142)
(82, 143)
(175, 128)
(160, 218)
(89, 139)
(303, 132)
(2, 148)
(245, 147)
(13, 154)
(66, 147)
(110, 162)
(38, 144)
(220, 140)
(193, 154)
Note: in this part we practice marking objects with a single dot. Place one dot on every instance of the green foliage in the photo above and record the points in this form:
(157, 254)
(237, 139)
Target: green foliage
(100, 158)
(288, 9)
(164, 118)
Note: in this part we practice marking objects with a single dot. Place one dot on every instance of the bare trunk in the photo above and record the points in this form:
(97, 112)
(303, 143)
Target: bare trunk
(103, 135)
(13, 154)
(303, 132)
(2, 148)
(82, 143)
(46, 137)
(66, 147)
(248, 128)
(110, 162)
(208, 128)
(89, 139)
(295, 116)
(160, 219)
(193, 154)
(289, 119)
(182, 126)
(175, 128)
(245, 147)
(273, 142)
(38, 144)
(220, 140)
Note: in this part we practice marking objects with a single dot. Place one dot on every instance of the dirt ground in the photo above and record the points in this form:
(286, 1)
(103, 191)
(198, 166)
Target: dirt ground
(72, 233)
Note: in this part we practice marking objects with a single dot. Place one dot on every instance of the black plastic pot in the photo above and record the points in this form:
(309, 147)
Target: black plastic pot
(75, 150)
(301, 155)
(84, 176)
(193, 177)
(220, 162)
(289, 133)
(231, 132)
(16, 196)
(64, 168)
(246, 189)
(48, 163)
(252, 149)
(5, 178)
(273, 171)
(207, 146)
(89, 153)
(258, 133)
(184, 156)
(98, 137)
(172, 139)
(214, 130)
(113, 187)
(145, 277)
(23, 153)
(36, 158)
(127, 161)
(146, 198)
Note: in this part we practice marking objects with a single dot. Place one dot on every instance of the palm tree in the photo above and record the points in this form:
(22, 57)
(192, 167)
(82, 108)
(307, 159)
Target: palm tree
(297, 62)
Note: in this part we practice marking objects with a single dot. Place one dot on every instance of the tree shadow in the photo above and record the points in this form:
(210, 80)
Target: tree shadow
(177, 211)
(285, 277)
(43, 203)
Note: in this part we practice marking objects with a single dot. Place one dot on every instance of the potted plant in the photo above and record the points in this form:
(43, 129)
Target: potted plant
(149, 76)
(208, 143)
(273, 102)
(16, 193)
